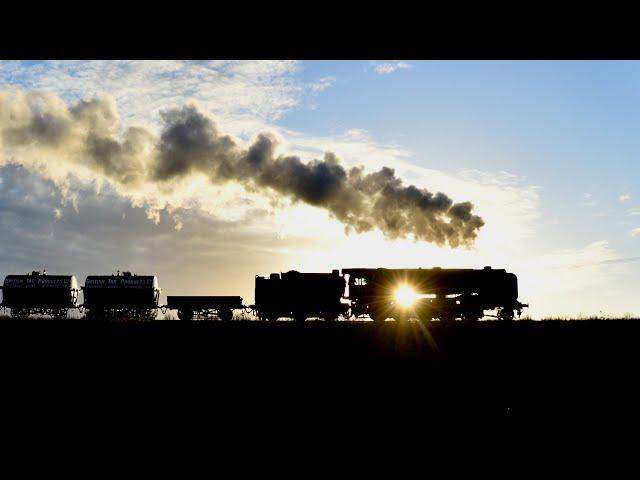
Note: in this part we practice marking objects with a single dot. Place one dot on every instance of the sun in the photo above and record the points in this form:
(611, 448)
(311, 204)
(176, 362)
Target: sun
(405, 296)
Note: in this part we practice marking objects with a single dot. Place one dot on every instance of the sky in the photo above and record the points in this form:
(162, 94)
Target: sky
(544, 151)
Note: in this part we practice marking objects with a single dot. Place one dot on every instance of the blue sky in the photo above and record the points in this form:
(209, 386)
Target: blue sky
(570, 127)
(545, 150)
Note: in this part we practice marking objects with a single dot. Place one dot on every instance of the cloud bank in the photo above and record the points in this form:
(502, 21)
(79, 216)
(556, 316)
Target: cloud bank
(38, 129)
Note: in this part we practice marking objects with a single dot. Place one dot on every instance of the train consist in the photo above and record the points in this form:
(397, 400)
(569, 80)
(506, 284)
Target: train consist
(377, 293)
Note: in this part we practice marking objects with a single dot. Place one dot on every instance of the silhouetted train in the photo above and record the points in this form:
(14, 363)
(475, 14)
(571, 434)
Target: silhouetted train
(379, 293)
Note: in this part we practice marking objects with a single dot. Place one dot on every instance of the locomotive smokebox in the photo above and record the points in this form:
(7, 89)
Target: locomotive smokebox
(124, 291)
(40, 293)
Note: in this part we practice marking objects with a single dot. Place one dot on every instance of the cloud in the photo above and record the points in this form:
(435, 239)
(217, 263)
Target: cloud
(588, 201)
(624, 198)
(635, 232)
(508, 203)
(106, 234)
(84, 135)
(322, 84)
(386, 68)
(246, 95)
(581, 279)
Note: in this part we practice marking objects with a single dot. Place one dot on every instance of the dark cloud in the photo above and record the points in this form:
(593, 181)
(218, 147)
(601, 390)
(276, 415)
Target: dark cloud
(190, 142)
(106, 234)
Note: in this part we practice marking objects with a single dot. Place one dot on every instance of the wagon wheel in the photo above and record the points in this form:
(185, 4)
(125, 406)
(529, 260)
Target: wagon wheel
(225, 315)
(185, 314)
(93, 314)
(505, 314)
(471, 316)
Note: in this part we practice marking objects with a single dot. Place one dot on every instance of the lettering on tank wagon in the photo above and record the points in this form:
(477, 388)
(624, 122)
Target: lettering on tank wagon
(37, 282)
(120, 282)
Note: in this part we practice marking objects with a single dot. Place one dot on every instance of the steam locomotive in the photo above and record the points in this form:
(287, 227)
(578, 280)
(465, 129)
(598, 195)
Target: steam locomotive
(377, 293)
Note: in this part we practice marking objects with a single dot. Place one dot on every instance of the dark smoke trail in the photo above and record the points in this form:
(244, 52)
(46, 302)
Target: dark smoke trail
(191, 143)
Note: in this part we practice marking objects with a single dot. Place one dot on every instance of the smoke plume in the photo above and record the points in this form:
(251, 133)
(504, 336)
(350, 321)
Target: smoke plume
(89, 134)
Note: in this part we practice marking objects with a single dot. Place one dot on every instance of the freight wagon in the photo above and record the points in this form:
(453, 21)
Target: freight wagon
(122, 296)
(40, 294)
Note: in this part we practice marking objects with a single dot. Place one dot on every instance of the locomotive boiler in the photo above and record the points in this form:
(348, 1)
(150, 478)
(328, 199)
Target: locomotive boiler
(432, 293)
(121, 296)
(39, 293)
(299, 296)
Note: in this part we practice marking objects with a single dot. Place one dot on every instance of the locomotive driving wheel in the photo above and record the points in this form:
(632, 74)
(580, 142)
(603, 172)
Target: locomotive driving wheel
(447, 317)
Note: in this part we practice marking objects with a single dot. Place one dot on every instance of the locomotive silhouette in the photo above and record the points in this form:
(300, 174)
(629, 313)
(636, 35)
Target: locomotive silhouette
(378, 293)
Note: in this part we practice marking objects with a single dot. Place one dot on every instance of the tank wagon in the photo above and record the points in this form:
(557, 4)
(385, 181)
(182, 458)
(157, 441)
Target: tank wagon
(122, 296)
(432, 293)
(300, 295)
(39, 293)
(204, 306)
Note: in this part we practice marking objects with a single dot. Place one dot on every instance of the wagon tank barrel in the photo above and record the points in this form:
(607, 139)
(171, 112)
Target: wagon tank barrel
(110, 295)
(39, 293)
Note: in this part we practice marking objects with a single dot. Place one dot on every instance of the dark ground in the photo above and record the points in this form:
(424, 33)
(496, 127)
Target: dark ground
(237, 376)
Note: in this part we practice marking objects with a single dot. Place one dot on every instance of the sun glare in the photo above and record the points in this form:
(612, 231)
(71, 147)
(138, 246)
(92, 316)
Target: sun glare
(405, 296)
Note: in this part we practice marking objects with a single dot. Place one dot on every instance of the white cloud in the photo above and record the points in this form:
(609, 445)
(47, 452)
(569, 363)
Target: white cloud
(244, 95)
(588, 201)
(576, 280)
(386, 68)
(322, 84)
(635, 232)
(624, 198)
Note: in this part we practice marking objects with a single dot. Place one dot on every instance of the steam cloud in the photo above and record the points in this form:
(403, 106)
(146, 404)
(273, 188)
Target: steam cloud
(88, 133)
